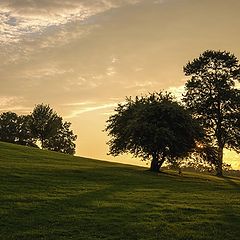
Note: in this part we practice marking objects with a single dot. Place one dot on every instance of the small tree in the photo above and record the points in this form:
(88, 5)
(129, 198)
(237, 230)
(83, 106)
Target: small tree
(63, 141)
(213, 99)
(44, 123)
(152, 127)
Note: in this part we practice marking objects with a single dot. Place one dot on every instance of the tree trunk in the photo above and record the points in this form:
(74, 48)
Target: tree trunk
(220, 162)
(154, 165)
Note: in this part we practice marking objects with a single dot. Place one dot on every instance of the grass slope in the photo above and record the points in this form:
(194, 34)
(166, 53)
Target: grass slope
(46, 195)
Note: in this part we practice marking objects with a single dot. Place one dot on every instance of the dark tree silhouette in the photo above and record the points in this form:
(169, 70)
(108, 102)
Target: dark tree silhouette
(152, 127)
(24, 135)
(8, 127)
(16, 129)
(44, 123)
(63, 141)
(214, 100)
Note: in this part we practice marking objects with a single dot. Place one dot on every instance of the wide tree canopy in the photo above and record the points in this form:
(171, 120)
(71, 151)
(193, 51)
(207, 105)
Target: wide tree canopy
(212, 97)
(152, 127)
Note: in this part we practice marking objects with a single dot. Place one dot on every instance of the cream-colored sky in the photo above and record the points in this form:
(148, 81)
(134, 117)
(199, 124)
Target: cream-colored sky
(84, 56)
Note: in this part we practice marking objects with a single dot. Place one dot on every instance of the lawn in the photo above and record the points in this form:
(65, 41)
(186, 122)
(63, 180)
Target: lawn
(46, 195)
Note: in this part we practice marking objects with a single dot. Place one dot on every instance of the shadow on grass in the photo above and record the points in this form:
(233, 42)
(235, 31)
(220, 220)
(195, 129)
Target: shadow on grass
(231, 181)
(111, 203)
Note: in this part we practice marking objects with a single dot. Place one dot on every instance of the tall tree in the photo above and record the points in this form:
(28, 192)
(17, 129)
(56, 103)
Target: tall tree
(63, 141)
(44, 123)
(152, 127)
(214, 100)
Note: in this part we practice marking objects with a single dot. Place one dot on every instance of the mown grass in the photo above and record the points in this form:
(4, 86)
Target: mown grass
(46, 195)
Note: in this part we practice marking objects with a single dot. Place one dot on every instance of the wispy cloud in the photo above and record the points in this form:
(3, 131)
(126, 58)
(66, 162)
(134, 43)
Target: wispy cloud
(16, 25)
(142, 84)
(23, 19)
(78, 104)
(12, 104)
(86, 109)
(5, 100)
(20, 109)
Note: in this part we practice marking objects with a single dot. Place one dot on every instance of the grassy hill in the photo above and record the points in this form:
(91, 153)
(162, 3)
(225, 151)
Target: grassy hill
(46, 195)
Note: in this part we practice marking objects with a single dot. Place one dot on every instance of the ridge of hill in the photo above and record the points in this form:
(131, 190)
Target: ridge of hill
(48, 195)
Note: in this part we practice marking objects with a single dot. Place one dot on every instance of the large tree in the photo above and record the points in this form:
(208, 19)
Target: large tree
(44, 123)
(152, 127)
(214, 100)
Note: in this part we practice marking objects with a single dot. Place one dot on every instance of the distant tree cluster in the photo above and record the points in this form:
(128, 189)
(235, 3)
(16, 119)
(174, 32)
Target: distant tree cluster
(43, 125)
(207, 120)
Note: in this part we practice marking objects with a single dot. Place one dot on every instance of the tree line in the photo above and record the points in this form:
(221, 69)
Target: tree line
(43, 126)
(158, 128)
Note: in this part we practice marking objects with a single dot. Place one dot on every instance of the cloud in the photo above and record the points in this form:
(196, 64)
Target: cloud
(158, 1)
(24, 19)
(15, 27)
(5, 101)
(114, 59)
(87, 109)
(111, 71)
(12, 103)
(141, 85)
(78, 104)
(124, 51)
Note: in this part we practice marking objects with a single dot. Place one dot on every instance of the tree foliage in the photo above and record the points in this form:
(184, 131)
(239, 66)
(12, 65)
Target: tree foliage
(24, 134)
(214, 100)
(152, 127)
(63, 140)
(8, 127)
(44, 123)
(16, 129)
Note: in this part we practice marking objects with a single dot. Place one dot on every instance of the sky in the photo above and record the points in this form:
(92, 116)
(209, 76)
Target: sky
(83, 57)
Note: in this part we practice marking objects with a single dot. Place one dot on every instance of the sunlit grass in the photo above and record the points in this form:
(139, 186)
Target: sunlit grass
(45, 195)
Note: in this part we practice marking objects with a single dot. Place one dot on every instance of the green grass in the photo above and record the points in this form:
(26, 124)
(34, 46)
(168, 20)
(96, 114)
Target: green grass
(46, 195)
